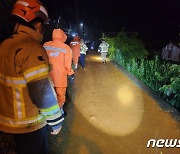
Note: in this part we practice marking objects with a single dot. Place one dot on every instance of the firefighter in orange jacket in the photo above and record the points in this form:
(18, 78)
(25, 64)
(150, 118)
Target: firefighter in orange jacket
(60, 57)
(28, 103)
(75, 46)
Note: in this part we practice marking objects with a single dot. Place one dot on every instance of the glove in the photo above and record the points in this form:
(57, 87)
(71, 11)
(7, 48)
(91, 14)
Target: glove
(56, 131)
(71, 79)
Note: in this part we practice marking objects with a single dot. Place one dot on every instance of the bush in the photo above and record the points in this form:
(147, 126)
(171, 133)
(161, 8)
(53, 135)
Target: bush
(161, 76)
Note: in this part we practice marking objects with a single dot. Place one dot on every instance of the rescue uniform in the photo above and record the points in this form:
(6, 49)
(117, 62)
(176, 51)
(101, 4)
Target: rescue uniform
(60, 57)
(27, 99)
(103, 49)
(75, 46)
(83, 51)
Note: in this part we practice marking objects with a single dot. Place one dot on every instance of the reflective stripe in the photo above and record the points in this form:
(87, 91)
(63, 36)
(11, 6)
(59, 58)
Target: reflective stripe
(19, 108)
(83, 49)
(49, 111)
(54, 116)
(105, 48)
(55, 119)
(36, 72)
(54, 54)
(21, 123)
(44, 10)
(9, 81)
(15, 100)
(19, 103)
(12, 81)
(55, 123)
(55, 49)
(23, 3)
(74, 43)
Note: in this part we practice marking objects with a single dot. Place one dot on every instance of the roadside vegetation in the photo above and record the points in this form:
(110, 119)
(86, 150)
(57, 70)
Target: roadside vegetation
(161, 76)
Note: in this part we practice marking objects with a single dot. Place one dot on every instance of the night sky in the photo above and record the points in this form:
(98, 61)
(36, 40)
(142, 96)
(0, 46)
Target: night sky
(152, 18)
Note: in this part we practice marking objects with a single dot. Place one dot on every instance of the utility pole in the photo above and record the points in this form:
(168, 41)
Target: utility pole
(179, 36)
(60, 15)
(58, 21)
(77, 17)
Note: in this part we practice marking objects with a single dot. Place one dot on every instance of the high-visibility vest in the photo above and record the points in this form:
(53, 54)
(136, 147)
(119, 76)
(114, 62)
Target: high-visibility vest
(23, 62)
(83, 48)
(104, 47)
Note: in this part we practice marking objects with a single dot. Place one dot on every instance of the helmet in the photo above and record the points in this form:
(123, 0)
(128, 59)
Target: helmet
(29, 10)
(76, 38)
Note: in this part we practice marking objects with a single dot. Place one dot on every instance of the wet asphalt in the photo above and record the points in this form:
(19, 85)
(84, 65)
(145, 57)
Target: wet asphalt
(109, 111)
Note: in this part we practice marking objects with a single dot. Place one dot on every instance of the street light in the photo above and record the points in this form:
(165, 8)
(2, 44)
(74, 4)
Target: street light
(82, 29)
(81, 24)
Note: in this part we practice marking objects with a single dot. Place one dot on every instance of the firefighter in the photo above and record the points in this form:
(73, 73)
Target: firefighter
(60, 57)
(103, 49)
(83, 51)
(75, 46)
(28, 102)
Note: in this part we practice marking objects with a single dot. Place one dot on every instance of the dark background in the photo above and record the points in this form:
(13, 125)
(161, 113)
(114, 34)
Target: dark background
(156, 21)
(151, 18)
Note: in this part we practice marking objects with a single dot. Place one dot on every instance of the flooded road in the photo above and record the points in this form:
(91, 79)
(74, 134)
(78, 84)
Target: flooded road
(109, 114)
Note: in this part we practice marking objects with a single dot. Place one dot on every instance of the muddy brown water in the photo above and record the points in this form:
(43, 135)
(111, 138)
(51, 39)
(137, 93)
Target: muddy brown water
(109, 114)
